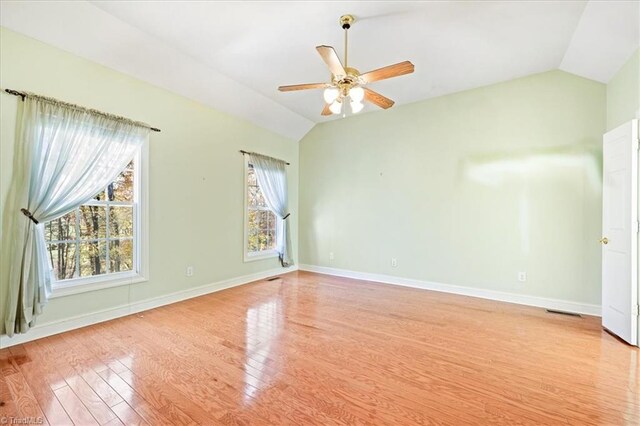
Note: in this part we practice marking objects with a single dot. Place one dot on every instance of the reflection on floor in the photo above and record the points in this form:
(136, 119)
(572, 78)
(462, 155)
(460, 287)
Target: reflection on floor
(315, 349)
(264, 323)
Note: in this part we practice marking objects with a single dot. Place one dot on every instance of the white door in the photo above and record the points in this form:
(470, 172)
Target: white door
(620, 232)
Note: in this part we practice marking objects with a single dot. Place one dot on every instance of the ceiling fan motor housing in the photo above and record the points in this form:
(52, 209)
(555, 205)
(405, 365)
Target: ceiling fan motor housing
(352, 78)
(346, 21)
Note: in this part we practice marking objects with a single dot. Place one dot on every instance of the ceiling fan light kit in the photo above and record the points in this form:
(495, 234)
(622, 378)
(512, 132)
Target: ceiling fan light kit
(336, 107)
(356, 107)
(347, 82)
(330, 94)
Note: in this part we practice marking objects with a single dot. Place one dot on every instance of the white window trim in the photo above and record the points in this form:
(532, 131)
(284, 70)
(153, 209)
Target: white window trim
(251, 256)
(141, 225)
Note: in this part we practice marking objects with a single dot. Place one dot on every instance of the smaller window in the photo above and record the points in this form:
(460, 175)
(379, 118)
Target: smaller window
(260, 222)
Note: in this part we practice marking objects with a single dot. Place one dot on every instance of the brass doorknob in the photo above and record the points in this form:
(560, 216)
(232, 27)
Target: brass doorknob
(604, 240)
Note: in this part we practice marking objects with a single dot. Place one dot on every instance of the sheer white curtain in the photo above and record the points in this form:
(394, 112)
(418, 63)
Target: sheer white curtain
(64, 155)
(271, 174)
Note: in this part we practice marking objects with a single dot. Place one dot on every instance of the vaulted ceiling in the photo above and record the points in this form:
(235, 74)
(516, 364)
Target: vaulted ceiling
(233, 55)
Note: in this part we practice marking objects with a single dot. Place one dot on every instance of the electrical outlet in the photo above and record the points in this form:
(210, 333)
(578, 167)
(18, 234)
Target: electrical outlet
(522, 277)
(394, 262)
(189, 271)
(331, 257)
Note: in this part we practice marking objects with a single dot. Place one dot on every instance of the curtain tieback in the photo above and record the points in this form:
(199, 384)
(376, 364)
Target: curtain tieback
(286, 216)
(28, 214)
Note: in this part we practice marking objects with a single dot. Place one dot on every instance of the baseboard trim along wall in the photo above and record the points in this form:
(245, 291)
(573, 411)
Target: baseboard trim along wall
(520, 299)
(55, 327)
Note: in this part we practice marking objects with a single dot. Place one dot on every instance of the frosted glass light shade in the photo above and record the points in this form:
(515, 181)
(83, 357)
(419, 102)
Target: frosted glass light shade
(356, 94)
(331, 94)
(336, 107)
(356, 106)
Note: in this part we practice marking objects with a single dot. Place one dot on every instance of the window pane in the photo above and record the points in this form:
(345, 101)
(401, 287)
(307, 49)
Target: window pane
(272, 221)
(93, 258)
(271, 237)
(262, 241)
(121, 189)
(71, 248)
(251, 176)
(253, 244)
(120, 255)
(264, 220)
(260, 199)
(63, 260)
(62, 228)
(93, 222)
(120, 221)
(256, 199)
(253, 220)
(253, 196)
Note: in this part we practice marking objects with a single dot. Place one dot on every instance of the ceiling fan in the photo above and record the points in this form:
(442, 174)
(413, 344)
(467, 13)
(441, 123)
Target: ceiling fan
(347, 82)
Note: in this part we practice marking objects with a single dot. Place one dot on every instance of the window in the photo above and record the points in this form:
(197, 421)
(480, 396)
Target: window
(260, 222)
(101, 241)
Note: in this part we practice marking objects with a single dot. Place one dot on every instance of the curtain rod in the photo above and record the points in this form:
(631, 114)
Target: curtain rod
(24, 95)
(246, 152)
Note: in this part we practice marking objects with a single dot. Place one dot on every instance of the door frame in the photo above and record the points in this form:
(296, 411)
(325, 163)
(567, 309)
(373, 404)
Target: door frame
(636, 125)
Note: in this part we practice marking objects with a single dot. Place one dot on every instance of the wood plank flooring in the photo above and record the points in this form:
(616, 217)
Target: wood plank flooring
(315, 349)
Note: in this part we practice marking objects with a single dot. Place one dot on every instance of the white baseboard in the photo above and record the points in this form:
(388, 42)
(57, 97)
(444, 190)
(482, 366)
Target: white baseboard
(55, 327)
(520, 299)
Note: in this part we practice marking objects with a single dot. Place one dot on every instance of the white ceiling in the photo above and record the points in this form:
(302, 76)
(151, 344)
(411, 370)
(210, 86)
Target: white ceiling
(233, 55)
(607, 34)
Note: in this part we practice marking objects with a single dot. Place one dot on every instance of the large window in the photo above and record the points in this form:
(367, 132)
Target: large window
(100, 242)
(260, 222)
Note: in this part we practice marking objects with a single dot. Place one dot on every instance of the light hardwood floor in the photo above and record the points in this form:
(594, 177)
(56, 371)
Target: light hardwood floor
(315, 349)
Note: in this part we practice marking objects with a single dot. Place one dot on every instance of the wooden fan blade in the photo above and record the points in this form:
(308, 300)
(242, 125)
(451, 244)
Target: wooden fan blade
(326, 110)
(390, 71)
(303, 87)
(330, 58)
(377, 98)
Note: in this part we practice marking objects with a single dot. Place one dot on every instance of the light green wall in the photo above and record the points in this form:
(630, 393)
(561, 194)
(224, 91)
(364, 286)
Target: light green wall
(465, 189)
(195, 172)
(623, 93)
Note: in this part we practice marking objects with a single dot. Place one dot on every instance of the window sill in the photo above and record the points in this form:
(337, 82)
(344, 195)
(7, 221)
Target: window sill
(83, 285)
(250, 257)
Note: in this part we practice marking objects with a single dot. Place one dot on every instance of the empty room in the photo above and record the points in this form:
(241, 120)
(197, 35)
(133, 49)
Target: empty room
(319, 212)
